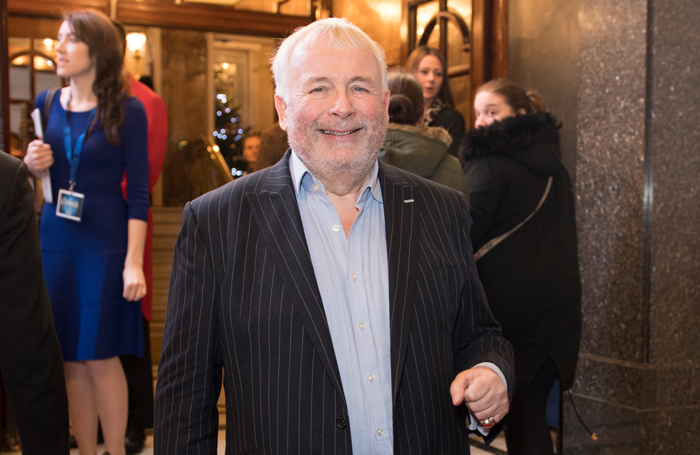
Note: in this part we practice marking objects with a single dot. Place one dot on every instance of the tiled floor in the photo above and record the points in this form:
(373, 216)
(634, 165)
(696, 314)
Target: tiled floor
(499, 443)
(497, 447)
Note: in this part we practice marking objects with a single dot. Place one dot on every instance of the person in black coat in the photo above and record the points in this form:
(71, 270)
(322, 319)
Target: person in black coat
(531, 278)
(430, 68)
(30, 357)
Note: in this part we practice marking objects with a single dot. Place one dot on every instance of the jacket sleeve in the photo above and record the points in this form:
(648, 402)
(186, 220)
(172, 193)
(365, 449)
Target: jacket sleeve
(190, 369)
(157, 115)
(477, 336)
(30, 356)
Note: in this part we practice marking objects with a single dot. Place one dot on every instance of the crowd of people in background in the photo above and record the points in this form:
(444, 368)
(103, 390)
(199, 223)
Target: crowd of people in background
(104, 146)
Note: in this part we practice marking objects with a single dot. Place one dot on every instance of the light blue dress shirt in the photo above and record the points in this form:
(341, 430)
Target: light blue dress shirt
(353, 276)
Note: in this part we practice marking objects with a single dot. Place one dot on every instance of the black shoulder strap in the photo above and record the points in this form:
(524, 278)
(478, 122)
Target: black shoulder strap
(48, 102)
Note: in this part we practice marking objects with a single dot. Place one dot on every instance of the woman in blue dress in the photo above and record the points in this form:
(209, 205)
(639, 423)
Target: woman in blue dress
(92, 239)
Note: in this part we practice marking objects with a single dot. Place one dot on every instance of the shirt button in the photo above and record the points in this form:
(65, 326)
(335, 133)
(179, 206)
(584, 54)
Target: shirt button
(317, 187)
(370, 377)
(361, 325)
(380, 431)
(354, 276)
(336, 228)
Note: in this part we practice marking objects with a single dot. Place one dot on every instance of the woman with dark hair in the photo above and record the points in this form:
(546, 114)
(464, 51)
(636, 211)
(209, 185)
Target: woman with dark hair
(524, 236)
(415, 147)
(92, 240)
(429, 67)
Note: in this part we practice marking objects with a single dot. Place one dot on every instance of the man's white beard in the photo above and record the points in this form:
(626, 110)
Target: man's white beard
(323, 164)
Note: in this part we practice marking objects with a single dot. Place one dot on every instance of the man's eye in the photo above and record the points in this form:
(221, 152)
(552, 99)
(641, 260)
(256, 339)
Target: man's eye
(360, 89)
(317, 89)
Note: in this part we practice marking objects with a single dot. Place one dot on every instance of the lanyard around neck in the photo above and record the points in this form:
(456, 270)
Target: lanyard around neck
(73, 154)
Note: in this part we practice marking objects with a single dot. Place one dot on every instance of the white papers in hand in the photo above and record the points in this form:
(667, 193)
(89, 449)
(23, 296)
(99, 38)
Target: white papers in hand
(46, 175)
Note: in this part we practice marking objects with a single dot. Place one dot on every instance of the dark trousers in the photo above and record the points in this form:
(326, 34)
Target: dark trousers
(526, 427)
(139, 377)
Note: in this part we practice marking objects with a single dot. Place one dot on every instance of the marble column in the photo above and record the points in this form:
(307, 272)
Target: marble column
(638, 209)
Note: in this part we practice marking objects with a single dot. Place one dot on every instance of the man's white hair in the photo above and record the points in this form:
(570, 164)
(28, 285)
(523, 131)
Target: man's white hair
(340, 34)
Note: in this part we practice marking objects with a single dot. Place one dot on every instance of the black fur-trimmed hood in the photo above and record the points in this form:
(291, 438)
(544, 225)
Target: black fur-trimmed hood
(532, 140)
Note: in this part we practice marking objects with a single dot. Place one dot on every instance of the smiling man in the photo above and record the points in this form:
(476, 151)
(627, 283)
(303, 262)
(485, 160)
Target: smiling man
(338, 294)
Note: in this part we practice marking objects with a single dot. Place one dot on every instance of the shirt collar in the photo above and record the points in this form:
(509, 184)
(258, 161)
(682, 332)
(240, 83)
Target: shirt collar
(298, 170)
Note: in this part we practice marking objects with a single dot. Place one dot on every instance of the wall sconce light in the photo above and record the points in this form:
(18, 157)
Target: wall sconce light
(136, 43)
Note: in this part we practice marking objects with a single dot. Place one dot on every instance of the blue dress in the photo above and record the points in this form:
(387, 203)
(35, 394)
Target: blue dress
(83, 261)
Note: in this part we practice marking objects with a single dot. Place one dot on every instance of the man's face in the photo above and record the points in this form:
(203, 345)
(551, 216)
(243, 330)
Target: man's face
(336, 115)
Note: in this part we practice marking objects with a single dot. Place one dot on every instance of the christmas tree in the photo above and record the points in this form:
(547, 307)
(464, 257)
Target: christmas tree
(228, 130)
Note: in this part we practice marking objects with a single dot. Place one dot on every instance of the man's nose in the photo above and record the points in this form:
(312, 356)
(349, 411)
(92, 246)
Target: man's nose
(480, 121)
(342, 106)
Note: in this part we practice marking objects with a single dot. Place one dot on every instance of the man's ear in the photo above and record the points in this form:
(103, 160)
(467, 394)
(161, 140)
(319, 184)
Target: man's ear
(281, 108)
(521, 111)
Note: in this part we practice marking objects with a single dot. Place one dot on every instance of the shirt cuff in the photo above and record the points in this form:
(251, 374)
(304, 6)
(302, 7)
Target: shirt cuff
(474, 425)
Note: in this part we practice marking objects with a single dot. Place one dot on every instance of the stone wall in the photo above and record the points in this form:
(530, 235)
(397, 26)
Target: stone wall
(633, 109)
(637, 189)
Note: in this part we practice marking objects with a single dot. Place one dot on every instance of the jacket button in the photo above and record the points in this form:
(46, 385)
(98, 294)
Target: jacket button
(340, 423)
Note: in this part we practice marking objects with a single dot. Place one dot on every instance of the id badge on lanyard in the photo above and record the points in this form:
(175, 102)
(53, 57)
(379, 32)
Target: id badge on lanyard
(70, 203)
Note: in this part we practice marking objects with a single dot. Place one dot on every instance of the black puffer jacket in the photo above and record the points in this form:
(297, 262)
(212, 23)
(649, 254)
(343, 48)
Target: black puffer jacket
(531, 279)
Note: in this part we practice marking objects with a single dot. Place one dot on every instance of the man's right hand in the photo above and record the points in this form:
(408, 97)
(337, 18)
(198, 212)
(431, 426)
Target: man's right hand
(39, 157)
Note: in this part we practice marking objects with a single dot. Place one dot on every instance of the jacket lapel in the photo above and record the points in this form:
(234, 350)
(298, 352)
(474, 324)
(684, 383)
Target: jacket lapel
(277, 215)
(401, 210)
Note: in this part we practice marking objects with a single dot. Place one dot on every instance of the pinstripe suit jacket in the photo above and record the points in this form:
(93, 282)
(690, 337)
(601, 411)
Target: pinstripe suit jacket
(244, 299)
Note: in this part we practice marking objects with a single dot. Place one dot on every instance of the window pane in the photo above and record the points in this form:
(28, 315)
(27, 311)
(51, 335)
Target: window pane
(19, 82)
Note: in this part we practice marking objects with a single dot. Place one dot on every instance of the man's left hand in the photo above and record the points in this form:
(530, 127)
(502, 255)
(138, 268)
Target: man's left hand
(482, 390)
